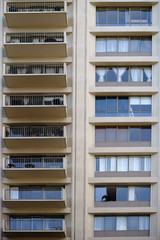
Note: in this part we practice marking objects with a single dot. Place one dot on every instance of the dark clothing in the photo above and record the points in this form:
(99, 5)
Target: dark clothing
(106, 198)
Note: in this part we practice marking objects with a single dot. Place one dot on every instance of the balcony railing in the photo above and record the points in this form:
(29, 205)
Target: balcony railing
(39, 193)
(20, 38)
(34, 224)
(36, 131)
(34, 162)
(34, 69)
(55, 100)
(35, 6)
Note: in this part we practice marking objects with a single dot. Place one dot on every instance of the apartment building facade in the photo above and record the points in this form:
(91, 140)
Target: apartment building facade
(80, 119)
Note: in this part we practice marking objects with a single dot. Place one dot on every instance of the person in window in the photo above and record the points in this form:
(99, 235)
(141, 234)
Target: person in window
(106, 198)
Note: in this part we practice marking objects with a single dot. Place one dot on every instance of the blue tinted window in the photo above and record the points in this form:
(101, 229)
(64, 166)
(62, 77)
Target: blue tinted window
(122, 194)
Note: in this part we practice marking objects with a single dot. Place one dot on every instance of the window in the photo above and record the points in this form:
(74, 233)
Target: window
(123, 107)
(121, 223)
(123, 164)
(123, 193)
(123, 16)
(129, 134)
(123, 74)
(109, 46)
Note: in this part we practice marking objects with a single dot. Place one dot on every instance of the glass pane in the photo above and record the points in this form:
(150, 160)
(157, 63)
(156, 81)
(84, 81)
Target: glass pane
(135, 106)
(111, 44)
(101, 45)
(111, 164)
(145, 134)
(134, 164)
(133, 223)
(135, 16)
(111, 106)
(36, 223)
(99, 193)
(121, 223)
(122, 164)
(144, 223)
(101, 17)
(146, 45)
(122, 194)
(110, 223)
(135, 134)
(123, 74)
(122, 135)
(112, 16)
(112, 75)
(135, 44)
(123, 16)
(100, 134)
(100, 106)
(146, 106)
(123, 45)
(146, 17)
(123, 106)
(142, 194)
(135, 75)
(99, 223)
(101, 74)
(111, 134)
(147, 74)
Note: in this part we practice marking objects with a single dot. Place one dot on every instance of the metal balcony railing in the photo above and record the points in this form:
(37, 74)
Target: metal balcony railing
(34, 162)
(34, 224)
(33, 193)
(36, 131)
(18, 38)
(35, 6)
(55, 100)
(34, 69)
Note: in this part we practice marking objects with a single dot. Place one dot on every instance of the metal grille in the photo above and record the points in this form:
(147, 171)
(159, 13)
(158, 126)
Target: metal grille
(34, 162)
(34, 100)
(34, 37)
(34, 69)
(36, 131)
(35, 6)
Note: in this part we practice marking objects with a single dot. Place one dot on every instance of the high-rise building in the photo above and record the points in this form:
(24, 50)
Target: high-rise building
(80, 119)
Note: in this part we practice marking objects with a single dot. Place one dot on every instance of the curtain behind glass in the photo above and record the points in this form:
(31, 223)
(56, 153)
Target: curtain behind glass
(144, 223)
(122, 164)
(111, 44)
(121, 223)
(101, 45)
(99, 223)
(123, 45)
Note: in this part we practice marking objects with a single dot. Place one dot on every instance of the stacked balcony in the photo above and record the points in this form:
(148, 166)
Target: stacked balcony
(35, 106)
(31, 75)
(35, 14)
(35, 166)
(35, 136)
(34, 226)
(31, 45)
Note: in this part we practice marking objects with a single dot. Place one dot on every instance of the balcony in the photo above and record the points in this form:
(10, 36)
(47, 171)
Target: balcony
(38, 196)
(33, 75)
(35, 106)
(34, 45)
(35, 136)
(35, 166)
(36, 14)
(34, 227)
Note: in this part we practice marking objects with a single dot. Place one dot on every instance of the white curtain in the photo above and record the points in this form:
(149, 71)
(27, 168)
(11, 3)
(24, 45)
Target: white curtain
(102, 164)
(101, 73)
(145, 164)
(144, 223)
(123, 45)
(14, 193)
(121, 223)
(146, 101)
(111, 44)
(148, 72)
(134, 164)
(126, 16)
(121, 71)
(134, 101)
(131, 191)
(99, 223)
(101, 45)
(122, 164)
(135, 75)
